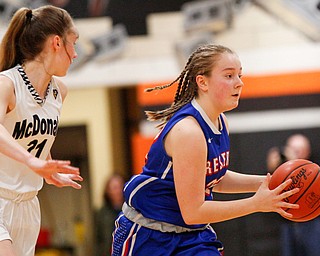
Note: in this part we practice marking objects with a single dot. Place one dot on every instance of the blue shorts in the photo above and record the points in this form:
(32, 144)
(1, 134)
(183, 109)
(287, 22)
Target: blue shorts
(130, 238)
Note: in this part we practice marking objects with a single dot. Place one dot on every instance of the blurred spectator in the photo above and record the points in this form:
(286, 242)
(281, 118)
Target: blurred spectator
(297, 146)
(82, 8)
(97, 8)
(296, 238)
(105, 217)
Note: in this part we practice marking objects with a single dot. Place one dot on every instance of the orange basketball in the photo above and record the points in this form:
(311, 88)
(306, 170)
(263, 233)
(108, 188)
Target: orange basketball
(305, 175)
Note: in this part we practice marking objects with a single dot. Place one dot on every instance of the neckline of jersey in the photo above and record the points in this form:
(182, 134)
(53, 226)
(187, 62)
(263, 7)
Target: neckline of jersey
(40, 101)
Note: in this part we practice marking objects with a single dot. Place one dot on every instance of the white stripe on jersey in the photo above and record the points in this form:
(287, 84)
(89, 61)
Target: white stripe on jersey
(138, 187)
(166, 170)
(133, 241)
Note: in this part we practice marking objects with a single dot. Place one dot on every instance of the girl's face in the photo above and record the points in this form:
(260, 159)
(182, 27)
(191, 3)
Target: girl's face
(224, 84)
(114, 189)
(70, 44)
(68, 52)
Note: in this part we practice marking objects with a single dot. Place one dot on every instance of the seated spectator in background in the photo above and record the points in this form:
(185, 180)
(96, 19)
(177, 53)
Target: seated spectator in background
(105, 217)
(297, 238)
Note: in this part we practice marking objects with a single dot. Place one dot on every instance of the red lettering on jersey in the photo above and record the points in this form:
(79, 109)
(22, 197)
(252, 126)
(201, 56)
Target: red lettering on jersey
(209, 168)
(218, 163)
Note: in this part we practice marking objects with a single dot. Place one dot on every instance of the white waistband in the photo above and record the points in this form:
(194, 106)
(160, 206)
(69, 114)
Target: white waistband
(138, 218)
(15, 196)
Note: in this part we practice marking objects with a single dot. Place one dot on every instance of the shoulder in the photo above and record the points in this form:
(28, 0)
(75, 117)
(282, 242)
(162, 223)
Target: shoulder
(5, 80)
(186, 134)
(6, 85)
(62, 87)
(187, 126)
(7, 96)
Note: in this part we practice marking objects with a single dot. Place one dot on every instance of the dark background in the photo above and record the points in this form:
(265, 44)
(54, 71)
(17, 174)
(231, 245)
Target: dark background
(131, 13)
(259, 234)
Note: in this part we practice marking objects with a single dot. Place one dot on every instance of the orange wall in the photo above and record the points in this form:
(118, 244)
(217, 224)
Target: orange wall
(140, 147)
(281, 85)
(255, 86)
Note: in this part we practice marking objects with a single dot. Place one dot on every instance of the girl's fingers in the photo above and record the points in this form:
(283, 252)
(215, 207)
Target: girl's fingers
(289, 193)
(63, 167)
(285, 205)
(59, 162)
(71, 169)
(266, 181)
(77, 178)
(285, 214)
(75, 185)
(282, 186)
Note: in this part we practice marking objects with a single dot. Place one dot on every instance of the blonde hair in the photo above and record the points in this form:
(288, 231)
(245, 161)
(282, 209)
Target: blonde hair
(200, 62)
(28, 31)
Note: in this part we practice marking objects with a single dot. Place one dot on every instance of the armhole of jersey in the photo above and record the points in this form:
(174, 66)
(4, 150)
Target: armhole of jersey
(223, 123)
(12, 79)
(55, 86)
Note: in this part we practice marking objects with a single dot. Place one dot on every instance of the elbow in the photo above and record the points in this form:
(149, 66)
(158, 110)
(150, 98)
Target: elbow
(191, 219)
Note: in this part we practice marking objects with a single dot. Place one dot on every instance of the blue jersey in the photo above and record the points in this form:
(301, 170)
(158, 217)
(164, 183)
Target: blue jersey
(152, 193)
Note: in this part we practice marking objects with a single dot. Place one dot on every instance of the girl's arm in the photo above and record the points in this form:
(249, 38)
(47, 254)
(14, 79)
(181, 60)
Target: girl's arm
(234, 182)
(12, 149)
(8, 146)
(187, 146)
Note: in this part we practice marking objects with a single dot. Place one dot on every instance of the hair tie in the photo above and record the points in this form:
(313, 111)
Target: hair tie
(29, 15)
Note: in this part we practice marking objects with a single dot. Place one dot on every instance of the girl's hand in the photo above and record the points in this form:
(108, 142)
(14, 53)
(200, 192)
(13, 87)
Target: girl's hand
(268, 200)
(64, 180)
(46, 168)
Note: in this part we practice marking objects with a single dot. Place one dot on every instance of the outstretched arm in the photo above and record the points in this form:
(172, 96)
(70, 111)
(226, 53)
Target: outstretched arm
(12, 149)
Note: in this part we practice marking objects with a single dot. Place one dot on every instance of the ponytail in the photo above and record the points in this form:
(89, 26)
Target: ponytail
(10, 53)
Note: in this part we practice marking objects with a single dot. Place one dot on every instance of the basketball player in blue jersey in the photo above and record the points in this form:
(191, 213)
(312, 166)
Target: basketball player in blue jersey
(169, 205)
(37, 45)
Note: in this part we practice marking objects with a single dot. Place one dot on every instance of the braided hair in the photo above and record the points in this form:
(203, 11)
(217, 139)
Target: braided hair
(200, 62)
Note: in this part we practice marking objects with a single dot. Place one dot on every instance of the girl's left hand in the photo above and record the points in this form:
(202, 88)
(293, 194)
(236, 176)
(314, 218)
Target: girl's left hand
(64, 180)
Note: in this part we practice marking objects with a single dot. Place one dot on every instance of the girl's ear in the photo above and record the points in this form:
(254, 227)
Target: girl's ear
(202, 82)
(57, 42)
